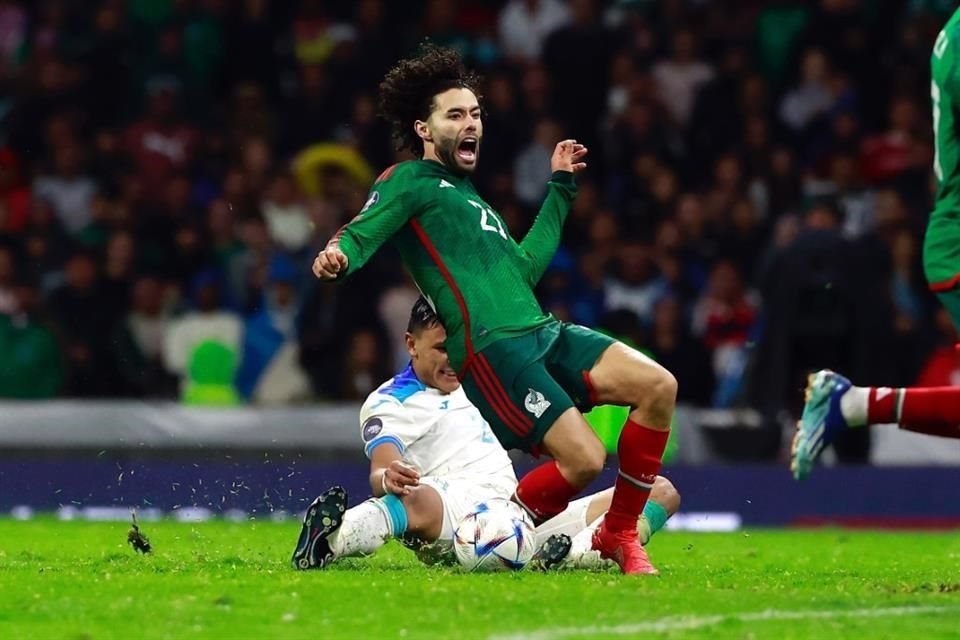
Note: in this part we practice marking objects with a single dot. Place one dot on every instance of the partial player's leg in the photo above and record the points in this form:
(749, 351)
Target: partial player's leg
(599, 370)
(330, 531)
(833, 404)
(528, 410)
(664, 501)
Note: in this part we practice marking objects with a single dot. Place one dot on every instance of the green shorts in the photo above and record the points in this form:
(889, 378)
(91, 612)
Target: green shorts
(521, 385)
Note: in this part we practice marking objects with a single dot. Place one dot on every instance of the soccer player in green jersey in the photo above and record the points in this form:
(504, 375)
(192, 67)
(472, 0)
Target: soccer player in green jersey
(529, 374)
(832, 402)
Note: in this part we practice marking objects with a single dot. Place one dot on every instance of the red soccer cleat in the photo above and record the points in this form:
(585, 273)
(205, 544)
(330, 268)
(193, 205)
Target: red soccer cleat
(624, 548)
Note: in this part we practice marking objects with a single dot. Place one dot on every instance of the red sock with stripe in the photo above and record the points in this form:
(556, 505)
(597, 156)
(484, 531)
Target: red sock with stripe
(640, 450)
(932, 410)
(544, 492)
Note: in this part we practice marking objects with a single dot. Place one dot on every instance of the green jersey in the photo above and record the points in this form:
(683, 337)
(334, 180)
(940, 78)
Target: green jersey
(941, 254)
(459, 252)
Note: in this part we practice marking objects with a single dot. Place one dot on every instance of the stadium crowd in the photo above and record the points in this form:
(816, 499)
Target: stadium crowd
(758, 185)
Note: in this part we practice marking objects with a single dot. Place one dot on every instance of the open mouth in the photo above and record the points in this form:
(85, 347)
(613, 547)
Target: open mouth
(448, 373)
(467, 150)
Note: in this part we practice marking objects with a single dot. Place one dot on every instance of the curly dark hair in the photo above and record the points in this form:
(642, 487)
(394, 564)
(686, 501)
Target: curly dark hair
(407, 91)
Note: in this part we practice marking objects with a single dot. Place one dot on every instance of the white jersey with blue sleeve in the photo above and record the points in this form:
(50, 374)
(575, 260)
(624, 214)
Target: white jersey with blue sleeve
(442, 435)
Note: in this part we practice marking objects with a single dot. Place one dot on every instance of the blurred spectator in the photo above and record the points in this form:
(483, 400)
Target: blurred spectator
(202, 346)
(222, 234)
(161, 144)
(288, 220)
(45, 246)
(577, 57)
(8, 273)
(823, 308)
(392, 303)
(531, 169)
(250, 117)
(14, 26)
(138, 342)
(900, 148)
(68, 191)
(812, 96)
(270, 372)
(681, 353)
(679, 77)
(247, 267)
(81, 317)
(723, 318)
(525, 24)
(636, 285)
(253, 22)
(119, 267)
(30, 368)
(107, 50)
(364, 368)
(14, 196)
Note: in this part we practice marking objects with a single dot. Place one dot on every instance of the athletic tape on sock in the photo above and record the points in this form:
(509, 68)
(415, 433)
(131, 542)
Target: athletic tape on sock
(656, 515)
(397, 513)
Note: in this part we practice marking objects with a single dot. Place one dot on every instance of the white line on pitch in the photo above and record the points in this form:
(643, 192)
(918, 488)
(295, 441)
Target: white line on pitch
(681, 623)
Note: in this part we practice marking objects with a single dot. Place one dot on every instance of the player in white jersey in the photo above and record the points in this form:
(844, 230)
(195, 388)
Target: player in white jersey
(432, 458)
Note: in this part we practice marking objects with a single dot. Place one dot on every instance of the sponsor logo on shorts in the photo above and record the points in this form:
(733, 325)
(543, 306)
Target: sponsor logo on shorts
(371, 428)
(535, 403)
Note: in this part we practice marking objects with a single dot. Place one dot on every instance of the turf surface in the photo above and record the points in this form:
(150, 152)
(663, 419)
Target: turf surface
(231, 580)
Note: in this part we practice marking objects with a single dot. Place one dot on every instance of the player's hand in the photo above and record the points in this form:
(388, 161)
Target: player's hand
(399, 477)
(329, 263)
(567, 156)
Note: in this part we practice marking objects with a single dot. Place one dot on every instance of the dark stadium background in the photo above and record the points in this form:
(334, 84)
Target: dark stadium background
(760, 177)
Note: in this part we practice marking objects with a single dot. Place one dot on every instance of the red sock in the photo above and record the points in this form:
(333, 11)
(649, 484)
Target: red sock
(639, 449)
(544, 492)
(933, 410)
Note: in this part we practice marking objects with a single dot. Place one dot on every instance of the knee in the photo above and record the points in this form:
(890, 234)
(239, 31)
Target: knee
(587, 465)
(666, 495)
(417, 505)
(656, 396)
(664, 388)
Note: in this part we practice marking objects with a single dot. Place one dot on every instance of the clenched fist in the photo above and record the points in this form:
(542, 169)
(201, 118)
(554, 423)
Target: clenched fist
(329, 263)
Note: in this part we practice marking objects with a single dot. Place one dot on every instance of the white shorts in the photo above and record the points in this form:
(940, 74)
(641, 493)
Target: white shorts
(459, 497)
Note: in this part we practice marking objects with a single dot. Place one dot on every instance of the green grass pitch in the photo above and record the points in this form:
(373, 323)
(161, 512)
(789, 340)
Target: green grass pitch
(231, 580)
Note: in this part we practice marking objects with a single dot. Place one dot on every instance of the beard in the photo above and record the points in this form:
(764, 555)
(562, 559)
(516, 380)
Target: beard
(447, 152)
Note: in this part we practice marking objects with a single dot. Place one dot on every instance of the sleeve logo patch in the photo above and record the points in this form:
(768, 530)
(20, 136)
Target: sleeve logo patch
(371, 428)
(372, 200)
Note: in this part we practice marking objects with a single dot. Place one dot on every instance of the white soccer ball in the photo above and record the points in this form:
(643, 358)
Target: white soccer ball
(496, 535)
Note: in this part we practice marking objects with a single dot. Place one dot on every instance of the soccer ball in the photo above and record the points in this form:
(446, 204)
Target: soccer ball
(496, 535)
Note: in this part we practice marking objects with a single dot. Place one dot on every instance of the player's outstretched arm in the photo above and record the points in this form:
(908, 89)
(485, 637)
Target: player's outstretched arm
(542, 240)
(387, 209)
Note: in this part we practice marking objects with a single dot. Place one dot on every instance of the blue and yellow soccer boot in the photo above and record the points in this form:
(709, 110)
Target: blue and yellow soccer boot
(821, 421)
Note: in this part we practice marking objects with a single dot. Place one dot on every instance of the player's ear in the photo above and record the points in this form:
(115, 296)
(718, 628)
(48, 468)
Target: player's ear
(423, 130)
(411, 344)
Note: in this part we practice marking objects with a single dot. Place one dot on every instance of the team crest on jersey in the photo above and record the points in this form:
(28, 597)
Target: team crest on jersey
(372, 200)
(371, 428)
(535, 403)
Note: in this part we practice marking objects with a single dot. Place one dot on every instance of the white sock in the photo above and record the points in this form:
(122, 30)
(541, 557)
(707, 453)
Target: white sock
(853, 406)
(365, 528)
(570, 521)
